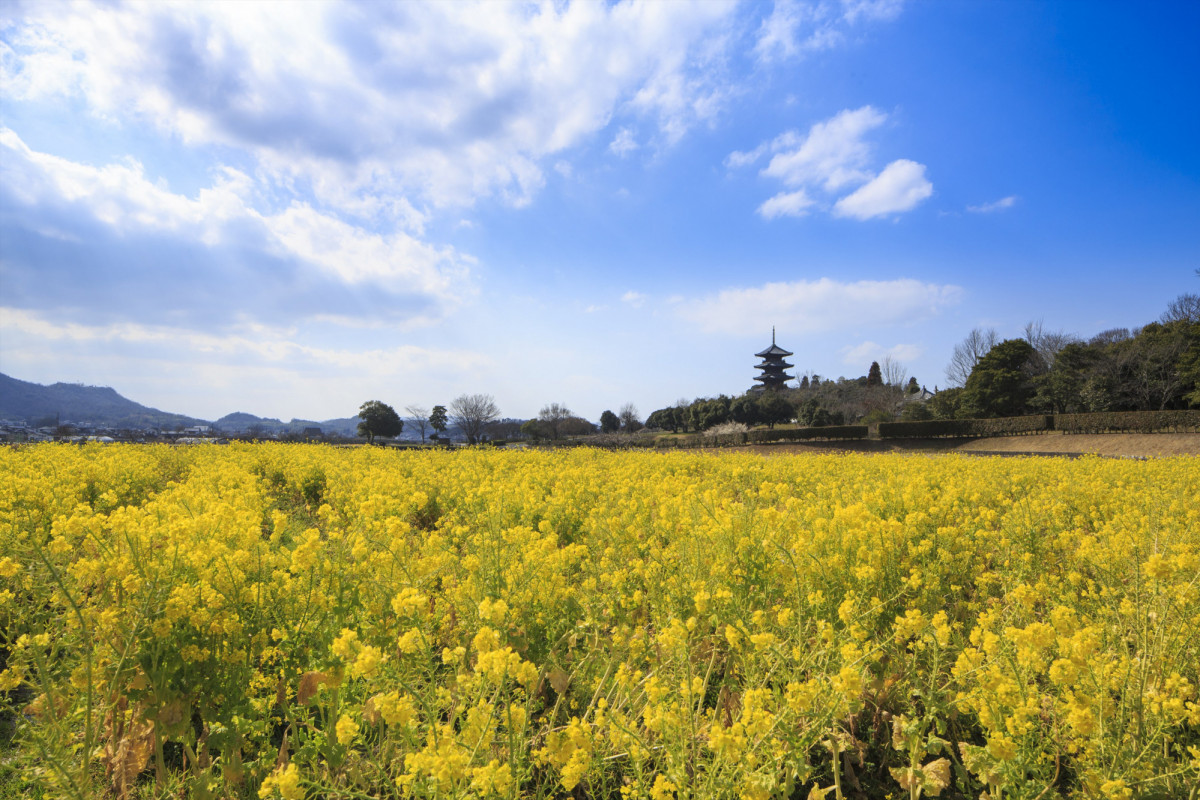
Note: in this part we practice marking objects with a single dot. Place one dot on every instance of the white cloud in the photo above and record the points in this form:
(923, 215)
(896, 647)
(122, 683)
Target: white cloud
(833, 153)
(831, 157)
(821, 305)
(123, 200)
(378, 107)
(869, 351)
(854, 10)
(623, 144)
(999, 205)
(795, 28)
(790, 204)
(260, 344)
(900, 187)
(634, 299)
(738, 159)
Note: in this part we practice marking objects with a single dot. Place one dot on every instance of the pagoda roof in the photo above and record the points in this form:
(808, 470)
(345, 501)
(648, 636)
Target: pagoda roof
(774, 350)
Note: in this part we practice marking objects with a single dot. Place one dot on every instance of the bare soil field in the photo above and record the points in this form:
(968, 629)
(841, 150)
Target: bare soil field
(1117, 445)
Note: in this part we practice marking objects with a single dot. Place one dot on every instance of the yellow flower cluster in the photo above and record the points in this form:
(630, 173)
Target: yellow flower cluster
(483, 624)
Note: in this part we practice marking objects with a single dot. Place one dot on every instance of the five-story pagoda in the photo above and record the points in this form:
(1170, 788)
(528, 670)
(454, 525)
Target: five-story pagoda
(773, 366)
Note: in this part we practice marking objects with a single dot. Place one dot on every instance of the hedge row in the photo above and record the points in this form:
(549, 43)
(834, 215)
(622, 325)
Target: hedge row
(805, 434)
(764, 436)
(934, 428)
(1138, 421)
(1100, 422)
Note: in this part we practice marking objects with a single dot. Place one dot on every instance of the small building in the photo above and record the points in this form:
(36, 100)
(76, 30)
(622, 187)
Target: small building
(774, 366)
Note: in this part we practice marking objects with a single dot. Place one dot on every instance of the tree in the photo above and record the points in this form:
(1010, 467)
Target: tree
(532, 429)
(744, 409)
(913, 387)
(551, 417)
(420, 418)
(946, 404)
(893, 372)
(703, 413)
(915, 411)
(1156, 380)
(803, 381)
(378, 419)
(1061, 390)
(630, 421)
(609, 422)
(1046, 345)
(874, 375)
(967, 354)
(665, 419)
(576, 426)
(774, 408)
(1001, 384)
(438, 419)
(1185, 308)
(470, 412)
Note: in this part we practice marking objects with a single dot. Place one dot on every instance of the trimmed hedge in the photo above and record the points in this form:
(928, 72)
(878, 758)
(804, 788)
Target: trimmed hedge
(806, 434)
(935, 428)
(1136, 421)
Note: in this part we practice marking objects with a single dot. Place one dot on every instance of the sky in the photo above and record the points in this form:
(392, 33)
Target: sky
(288, 209)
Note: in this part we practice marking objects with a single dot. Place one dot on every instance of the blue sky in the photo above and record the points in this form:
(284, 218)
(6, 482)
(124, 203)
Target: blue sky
(288, 209)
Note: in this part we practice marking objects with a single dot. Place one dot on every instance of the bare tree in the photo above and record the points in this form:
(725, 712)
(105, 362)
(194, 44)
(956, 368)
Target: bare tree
(470, 412)
(551, 418)
(1110, 336)
(1045, 344)
(1185, 308)
(894, 373)
(630, 421)
(967, 354)
(420, 418)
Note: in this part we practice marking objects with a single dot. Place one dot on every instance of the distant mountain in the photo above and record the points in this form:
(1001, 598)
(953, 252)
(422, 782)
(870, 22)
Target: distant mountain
(100, 406)
(74, 402)
(241, 422)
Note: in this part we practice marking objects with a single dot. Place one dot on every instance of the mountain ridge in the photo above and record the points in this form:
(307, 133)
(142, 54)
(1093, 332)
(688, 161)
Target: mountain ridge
(103, 406)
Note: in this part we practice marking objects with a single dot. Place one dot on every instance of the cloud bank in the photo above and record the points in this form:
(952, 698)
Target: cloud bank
(380, 107)
(817, 306)
(213, 258)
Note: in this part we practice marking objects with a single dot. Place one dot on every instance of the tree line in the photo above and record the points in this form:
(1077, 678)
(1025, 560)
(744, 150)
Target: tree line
(477, 417)
(1152, 368)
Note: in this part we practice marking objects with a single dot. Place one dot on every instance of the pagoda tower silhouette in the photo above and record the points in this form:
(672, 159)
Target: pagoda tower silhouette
(773, 366)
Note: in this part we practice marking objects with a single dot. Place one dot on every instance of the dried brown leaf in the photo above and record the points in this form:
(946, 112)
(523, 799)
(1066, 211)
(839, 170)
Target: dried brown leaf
(309, 683)
(371, 710)
(907, 777)
(128, 751)
(937, 776)
(559, 680)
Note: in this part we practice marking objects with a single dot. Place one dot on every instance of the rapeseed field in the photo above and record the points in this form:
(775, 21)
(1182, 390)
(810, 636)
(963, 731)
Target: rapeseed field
(290, 621)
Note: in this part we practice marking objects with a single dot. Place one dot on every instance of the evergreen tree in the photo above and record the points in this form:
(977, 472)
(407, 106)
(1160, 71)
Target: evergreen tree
(438, 419)
(874, 375)
(378, 419)
(1000, 385)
